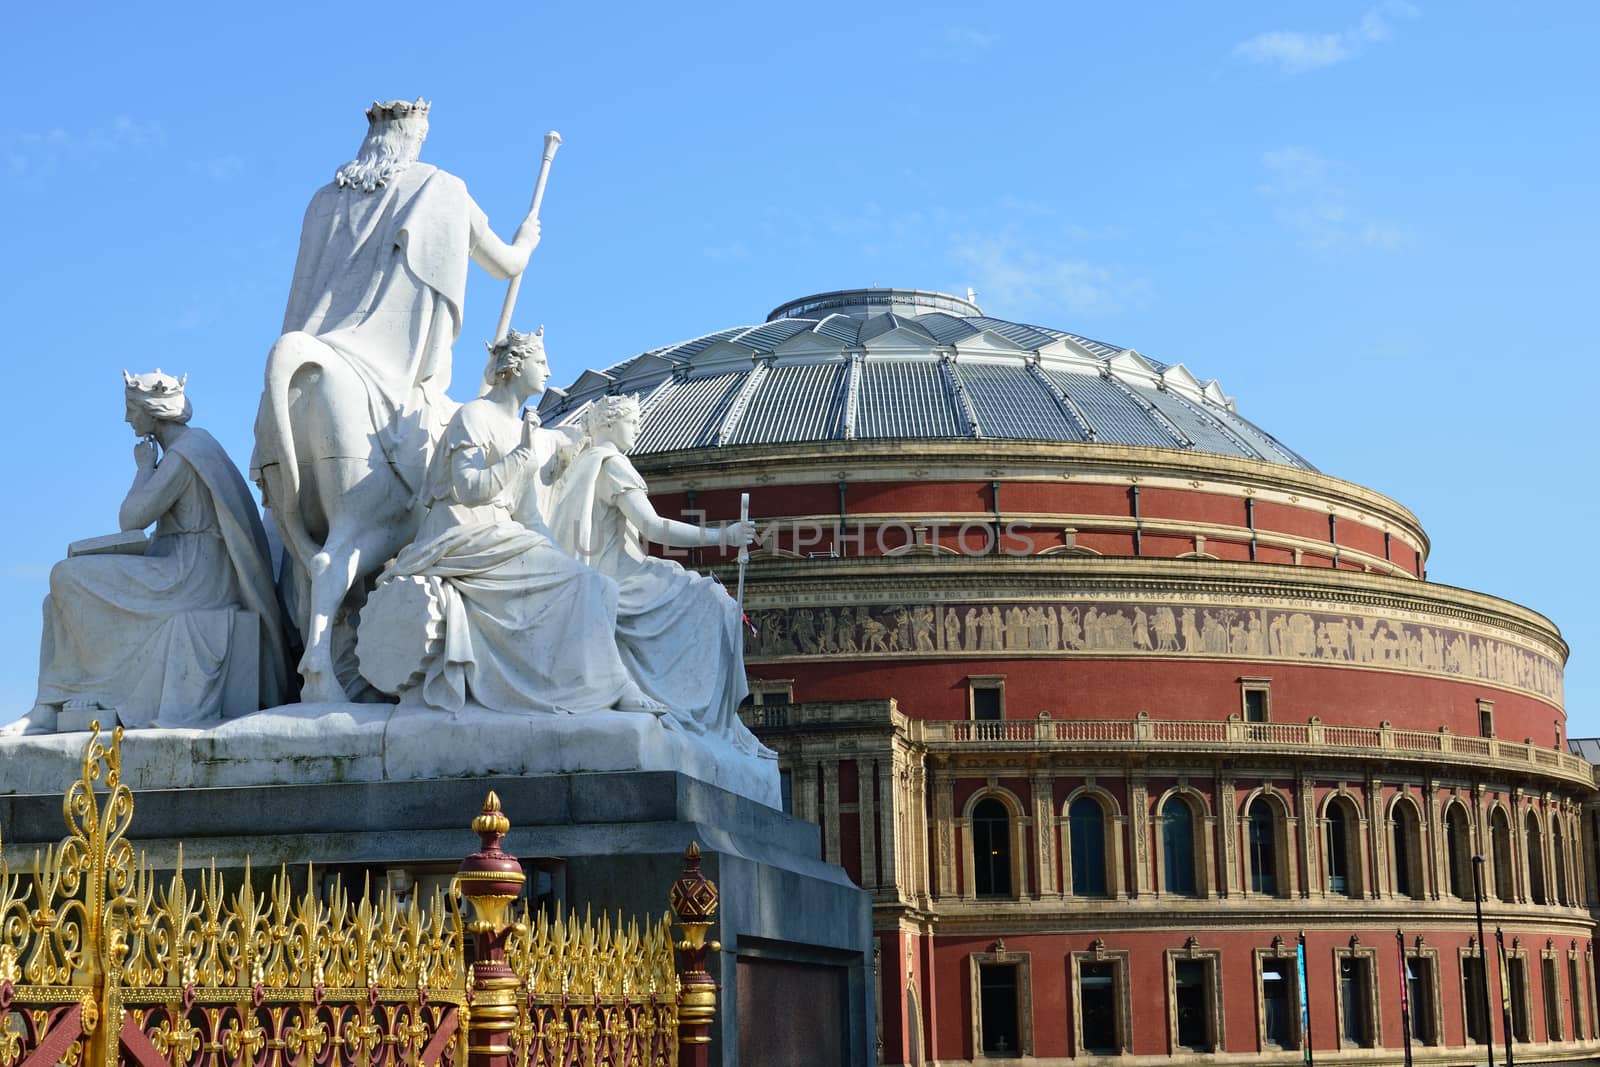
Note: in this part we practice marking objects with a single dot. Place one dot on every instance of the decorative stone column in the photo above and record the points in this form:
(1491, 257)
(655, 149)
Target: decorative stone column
(1139, 828)
(1042, 786)
(490, 879)
(1310, 837)
(1381, 881)
(944, 826)
(830, 810)
(867, 819)
(1227, 819)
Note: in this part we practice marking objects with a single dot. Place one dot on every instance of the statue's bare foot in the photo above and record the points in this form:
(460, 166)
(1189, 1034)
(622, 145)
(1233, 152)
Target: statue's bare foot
(635, 699)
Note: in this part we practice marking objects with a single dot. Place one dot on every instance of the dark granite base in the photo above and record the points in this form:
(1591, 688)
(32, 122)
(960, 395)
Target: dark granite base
(619, 839)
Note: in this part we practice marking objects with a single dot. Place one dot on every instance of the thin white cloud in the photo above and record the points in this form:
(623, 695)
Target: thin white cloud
(1010, 274)
(1296, 52)
(222, 169)
(1310, 201)
(30, 151)
(969, 37)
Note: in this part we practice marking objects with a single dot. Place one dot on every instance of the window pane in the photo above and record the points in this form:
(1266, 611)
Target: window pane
(1097, 1006)
(1419, 988)
(1535, 860)
(1552, 1001)
(1191, 995)
(1458, 854)
(1263, 848)
(1516, 972)
(1177, 831)
(1338, 850)
(1502, 857)
(1275, 1001)
(1086, 830)
(991, 848)
(997, 1009)
(986, 704)
(1353, 1001)
(1405, 839)
(1477, 1000)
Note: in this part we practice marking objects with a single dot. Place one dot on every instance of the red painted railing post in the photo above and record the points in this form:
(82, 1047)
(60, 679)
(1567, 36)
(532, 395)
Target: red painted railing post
(491, 879)
(694, 902)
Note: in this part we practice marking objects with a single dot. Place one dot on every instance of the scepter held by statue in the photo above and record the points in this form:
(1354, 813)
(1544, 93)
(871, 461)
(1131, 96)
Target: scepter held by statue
(552, 141)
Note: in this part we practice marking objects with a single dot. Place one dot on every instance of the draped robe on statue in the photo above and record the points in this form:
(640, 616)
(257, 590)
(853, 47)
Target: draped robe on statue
(526, 627)
(381, 279)
(148, 635)
(680, 633)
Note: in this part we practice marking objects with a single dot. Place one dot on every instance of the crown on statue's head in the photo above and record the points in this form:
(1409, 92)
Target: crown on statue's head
(155, 384)
(514, 341)
(389, 110)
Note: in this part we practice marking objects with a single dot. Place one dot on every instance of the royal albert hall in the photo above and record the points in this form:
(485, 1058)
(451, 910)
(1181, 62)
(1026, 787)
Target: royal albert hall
(1107, 696)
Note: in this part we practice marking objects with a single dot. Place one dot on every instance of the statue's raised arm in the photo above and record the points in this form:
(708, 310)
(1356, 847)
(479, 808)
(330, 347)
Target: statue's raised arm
(680, 632)
(354, 398)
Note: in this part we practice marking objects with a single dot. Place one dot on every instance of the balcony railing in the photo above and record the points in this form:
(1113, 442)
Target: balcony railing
(1233, 735)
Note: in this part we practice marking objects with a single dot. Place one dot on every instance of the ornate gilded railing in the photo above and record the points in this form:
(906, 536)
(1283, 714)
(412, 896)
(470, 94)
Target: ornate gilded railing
(103, 964)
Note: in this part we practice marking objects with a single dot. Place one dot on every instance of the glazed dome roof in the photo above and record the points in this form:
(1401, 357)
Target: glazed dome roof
(912, 364)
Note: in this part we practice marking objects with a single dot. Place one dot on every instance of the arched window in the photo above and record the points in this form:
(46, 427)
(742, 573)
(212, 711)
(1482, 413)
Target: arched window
(1262, 822)
(1500, 831)
(1458, 853)
(991, 848)
(1558, 846)
(1086, 831)
(1177, 849)
(1407, 851)
(1343, 846)
(1535, 859)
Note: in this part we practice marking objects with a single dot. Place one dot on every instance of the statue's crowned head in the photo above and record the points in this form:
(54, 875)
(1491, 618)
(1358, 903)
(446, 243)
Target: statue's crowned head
(507, 356)
(395, 132)
(158, 395)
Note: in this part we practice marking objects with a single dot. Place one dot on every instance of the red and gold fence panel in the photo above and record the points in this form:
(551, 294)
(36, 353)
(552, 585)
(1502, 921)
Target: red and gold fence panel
(105, 964)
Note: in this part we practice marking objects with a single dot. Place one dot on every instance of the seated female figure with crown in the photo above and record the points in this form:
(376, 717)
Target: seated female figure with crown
(144, 633)
(483, 608)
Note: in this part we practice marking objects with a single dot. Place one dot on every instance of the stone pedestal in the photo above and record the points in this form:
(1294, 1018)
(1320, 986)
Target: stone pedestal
(790, 925)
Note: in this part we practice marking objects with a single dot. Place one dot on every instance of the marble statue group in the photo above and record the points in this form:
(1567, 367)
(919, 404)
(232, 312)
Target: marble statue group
(448, 556)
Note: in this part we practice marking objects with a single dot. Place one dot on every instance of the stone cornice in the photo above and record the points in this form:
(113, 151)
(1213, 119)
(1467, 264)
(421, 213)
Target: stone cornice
(877, 460)
(782, 581)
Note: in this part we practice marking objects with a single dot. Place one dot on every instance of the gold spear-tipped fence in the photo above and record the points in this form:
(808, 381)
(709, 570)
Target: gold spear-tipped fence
(102, 964)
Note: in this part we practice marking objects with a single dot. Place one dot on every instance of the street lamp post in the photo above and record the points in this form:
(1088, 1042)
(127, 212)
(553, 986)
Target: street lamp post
(1483, 953)
(1505, 1000)
(1405, 994)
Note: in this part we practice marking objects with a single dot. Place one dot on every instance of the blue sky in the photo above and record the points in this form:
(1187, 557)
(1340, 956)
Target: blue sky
(1374, 223)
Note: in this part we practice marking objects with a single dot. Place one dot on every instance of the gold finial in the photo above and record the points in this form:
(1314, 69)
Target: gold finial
(490, 820)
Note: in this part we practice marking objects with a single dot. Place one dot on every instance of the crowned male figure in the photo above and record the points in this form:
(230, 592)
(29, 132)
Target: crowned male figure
(354, 396)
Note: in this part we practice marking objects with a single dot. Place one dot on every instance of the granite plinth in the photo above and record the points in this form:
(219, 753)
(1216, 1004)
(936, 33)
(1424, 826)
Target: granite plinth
(619, 838)
(309, 744)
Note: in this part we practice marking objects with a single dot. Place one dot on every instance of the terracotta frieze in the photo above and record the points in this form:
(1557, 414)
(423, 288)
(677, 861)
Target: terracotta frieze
(1169, 629)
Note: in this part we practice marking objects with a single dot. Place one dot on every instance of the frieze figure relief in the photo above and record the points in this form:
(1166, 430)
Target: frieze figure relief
(1161, 629)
